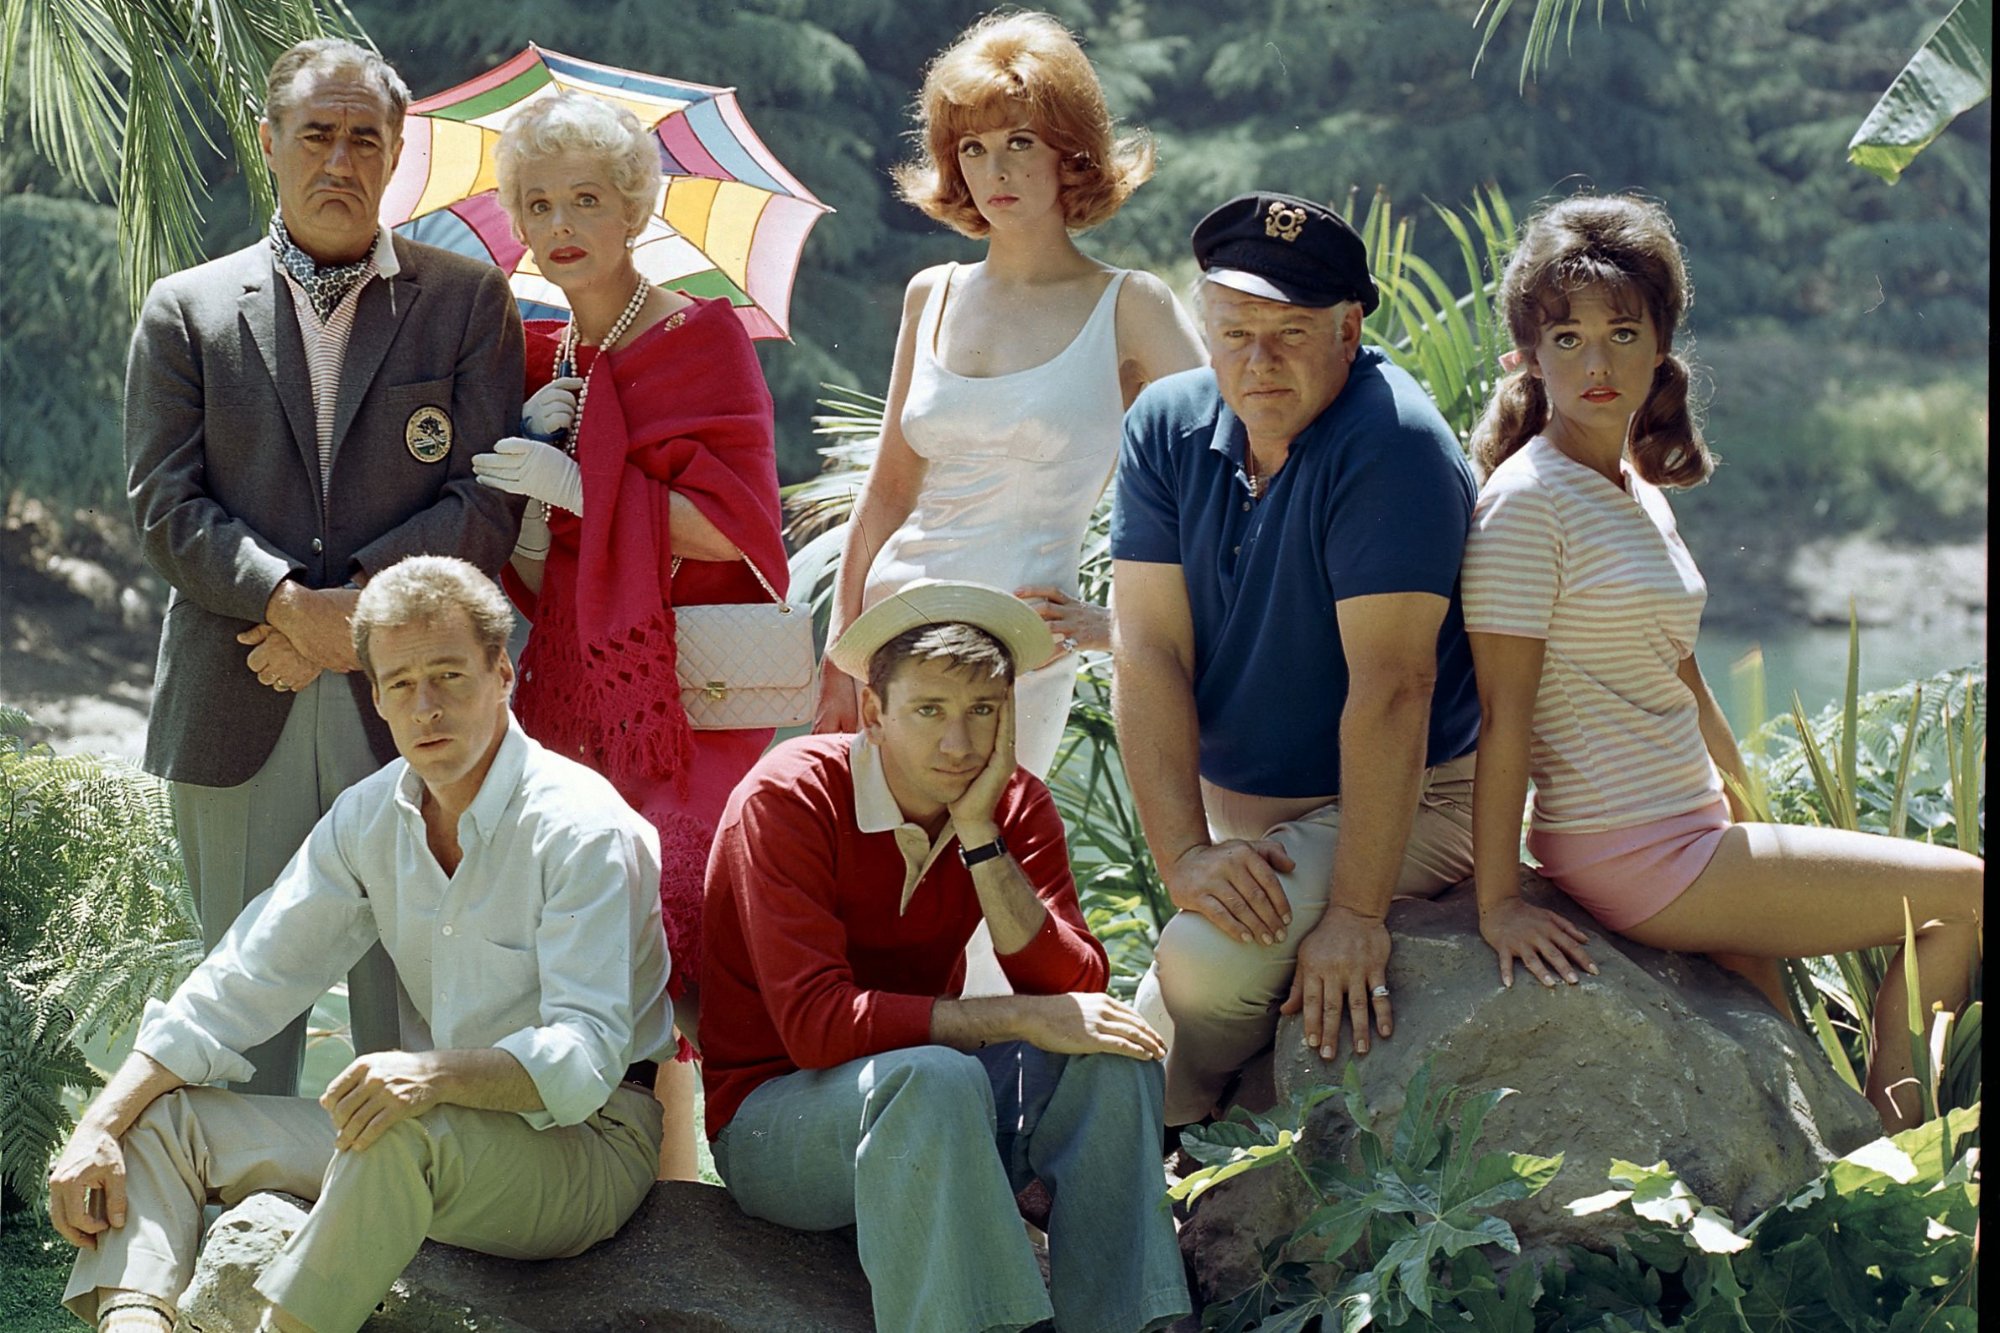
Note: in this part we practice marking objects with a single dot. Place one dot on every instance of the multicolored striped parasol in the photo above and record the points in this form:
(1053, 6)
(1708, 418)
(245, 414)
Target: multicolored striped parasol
(730, 221)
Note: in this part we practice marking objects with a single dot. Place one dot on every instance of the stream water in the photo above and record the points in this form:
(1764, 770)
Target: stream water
(1812, 659)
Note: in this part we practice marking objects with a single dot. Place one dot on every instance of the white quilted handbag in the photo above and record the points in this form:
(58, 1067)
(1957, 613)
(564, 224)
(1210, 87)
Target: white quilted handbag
(746, 664)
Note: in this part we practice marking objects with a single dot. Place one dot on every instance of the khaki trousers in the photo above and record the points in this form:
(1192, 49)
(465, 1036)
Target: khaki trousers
(236, 840)
(482, 1180)
(1215, 999)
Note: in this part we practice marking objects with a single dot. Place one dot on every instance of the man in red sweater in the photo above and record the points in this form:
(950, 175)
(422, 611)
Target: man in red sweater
(846, 1084)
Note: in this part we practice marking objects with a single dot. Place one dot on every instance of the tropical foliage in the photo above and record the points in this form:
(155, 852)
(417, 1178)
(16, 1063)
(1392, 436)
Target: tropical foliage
(1884, 1239)
(1907, 762)
(114, 90)
(1951, 73)
(1401, 1236)
(96, 919)
(1398, 1240)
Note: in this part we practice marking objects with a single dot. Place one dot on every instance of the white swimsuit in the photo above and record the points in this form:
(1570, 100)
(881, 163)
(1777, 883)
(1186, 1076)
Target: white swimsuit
(1016, 465)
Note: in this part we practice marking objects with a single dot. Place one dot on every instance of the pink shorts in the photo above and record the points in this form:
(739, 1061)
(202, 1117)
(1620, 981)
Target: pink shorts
(1622, 876)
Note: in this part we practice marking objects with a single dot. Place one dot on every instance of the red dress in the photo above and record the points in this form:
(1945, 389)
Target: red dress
(683, 409)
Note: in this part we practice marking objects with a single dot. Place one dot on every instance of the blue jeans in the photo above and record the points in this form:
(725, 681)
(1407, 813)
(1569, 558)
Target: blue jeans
(922, 1150)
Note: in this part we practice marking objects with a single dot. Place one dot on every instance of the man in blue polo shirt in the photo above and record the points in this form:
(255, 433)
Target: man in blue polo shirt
(1294, 690)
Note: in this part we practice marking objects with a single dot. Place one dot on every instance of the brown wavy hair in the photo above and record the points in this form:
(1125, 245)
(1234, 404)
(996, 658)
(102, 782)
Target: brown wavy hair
(1021, 69)
(1624, 248)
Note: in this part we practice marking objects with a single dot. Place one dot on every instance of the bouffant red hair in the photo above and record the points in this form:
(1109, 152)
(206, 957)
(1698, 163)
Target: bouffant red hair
(1021, 69)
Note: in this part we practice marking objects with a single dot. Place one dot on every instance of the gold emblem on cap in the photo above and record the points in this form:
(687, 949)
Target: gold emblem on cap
(428, 434)
(1283, 222)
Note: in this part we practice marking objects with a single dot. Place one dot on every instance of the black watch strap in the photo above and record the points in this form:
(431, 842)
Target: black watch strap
(972, 856)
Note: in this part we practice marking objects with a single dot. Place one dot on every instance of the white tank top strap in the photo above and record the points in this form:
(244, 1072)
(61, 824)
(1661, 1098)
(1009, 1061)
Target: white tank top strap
(1102, 326)
(932, 318)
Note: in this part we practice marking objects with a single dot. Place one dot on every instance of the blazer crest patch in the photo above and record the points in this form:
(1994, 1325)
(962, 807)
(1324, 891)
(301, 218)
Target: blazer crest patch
(428, 434)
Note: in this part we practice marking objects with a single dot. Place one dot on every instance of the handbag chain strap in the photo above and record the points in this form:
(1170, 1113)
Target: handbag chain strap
(784, 607)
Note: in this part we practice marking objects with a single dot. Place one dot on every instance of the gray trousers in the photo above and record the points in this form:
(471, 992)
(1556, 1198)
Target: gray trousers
(236, 840)
(481, 1180)
(921, 1151)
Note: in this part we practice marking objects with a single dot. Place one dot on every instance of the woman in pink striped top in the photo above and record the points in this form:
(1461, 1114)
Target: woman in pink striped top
(1583, 607)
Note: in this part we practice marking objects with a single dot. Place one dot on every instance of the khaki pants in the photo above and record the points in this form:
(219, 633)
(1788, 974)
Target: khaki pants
(1215, 999)
(483, 1180)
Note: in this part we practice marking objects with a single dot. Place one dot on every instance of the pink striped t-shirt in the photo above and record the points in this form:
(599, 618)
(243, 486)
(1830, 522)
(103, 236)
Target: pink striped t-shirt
(1559, 553)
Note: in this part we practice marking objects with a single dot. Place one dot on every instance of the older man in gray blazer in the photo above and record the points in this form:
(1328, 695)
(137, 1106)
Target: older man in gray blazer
(298, 416)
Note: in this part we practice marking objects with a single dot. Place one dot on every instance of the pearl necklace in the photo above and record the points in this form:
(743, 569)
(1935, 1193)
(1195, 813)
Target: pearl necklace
(566, 347)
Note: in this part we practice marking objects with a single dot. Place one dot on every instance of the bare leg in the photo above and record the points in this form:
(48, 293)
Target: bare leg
(1782, 891)
(1766, 974)
(674, 1088)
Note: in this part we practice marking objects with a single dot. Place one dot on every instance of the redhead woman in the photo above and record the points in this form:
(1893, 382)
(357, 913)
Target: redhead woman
(1583, 607)
(653, 484)
(1012, 374)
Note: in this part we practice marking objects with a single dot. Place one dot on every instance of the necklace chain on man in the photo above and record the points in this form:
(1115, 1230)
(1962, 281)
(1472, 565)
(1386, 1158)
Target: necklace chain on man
(566, 347)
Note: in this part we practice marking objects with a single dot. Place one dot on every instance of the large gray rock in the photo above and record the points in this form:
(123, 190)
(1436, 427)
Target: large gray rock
(689, 1260)
(238, 1245)
(1660, 1056)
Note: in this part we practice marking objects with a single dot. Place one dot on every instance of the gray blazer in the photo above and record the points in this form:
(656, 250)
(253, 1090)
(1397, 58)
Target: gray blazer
(222, 462)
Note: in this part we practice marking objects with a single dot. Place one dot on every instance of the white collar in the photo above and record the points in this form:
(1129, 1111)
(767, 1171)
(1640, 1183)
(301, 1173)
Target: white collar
(876, 811)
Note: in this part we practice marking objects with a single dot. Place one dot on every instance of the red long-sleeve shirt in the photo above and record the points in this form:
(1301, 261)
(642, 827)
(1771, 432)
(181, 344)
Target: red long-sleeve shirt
(815, 955)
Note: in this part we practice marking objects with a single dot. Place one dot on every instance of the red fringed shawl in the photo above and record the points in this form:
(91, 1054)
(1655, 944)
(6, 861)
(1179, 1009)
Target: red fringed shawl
(682, 409)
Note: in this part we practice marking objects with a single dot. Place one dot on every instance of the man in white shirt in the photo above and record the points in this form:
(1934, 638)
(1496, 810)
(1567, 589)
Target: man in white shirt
(517, 897)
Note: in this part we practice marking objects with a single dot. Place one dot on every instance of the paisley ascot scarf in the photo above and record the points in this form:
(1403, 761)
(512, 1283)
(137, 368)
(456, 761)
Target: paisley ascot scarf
(326, 286)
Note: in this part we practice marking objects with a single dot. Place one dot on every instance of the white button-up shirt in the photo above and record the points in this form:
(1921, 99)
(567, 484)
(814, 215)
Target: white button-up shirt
(545, 943)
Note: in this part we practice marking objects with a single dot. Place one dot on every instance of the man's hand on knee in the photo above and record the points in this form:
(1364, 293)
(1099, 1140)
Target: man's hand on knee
(87, 1187)
(375, 1091)
(1234, 885)
(1343, 972)
(1084, 1023)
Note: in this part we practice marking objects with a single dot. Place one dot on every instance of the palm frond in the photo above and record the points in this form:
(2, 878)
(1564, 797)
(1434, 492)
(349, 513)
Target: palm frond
(1951, 73)
(1552, 19)
(115, 86)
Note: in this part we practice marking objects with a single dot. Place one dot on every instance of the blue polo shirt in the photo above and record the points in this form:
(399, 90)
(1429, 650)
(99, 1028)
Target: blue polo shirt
(1374, 497)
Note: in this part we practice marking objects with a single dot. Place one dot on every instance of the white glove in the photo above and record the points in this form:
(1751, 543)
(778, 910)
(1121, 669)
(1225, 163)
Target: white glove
(533, 543)
(531, 468)
(553, 408)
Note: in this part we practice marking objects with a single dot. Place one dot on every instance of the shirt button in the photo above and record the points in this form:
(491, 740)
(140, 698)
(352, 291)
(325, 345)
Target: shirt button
(446, 930)
(319, 546)
(1246, 506)
(1236, 550)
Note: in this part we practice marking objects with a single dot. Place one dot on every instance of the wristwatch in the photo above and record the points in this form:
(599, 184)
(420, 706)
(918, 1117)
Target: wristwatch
(972, 856)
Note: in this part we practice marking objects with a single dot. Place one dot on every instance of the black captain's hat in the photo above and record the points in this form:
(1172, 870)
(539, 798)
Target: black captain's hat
(1284, 248)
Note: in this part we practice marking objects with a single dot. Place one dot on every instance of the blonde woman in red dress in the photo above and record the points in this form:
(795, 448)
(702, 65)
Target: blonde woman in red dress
(647, 457)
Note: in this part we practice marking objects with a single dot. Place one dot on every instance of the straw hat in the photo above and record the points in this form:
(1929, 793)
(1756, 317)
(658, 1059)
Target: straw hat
(945, 602)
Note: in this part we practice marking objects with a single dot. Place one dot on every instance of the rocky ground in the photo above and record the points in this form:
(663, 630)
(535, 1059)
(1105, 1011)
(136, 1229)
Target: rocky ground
(79, 625)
